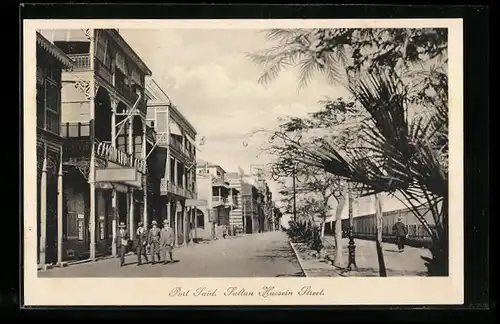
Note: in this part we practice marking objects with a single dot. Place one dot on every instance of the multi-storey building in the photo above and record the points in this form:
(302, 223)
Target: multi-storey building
(50, 62)
(107, 139)
(221, 198)
(236, 220)
(177, 158)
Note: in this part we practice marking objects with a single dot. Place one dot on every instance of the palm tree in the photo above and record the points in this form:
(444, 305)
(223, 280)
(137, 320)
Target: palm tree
(302, 48)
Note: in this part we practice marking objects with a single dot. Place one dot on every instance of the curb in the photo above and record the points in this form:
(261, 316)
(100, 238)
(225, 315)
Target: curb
(299, 259)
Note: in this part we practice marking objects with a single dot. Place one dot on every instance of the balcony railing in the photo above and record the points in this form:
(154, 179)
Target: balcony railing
(82, 62)
(219, 201)
(169, 187)
(77, 140)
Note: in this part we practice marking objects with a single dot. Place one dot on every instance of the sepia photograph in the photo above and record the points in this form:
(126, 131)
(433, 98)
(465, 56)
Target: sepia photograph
(218, 152)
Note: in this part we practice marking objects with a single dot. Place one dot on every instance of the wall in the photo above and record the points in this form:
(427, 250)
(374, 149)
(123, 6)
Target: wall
(75, 105)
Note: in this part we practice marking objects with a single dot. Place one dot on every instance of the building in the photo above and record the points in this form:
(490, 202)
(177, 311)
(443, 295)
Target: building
(177, 159)
(221, 198)
(236, 220)
(50, 62)
(107, 139)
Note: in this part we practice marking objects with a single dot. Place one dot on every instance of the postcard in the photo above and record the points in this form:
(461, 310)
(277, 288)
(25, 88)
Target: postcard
(243, 162)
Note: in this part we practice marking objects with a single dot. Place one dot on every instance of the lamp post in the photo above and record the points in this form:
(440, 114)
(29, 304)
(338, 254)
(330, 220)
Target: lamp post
(351, 246)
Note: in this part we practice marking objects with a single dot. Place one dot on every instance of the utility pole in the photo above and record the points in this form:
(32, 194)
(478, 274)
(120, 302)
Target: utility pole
(294, 195)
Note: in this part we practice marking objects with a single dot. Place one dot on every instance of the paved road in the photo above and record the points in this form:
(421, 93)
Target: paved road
(254, 255)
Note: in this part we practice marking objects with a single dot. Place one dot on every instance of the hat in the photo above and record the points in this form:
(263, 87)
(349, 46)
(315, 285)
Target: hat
(154, 222)
(165, 221)
(140, 224)
(122, 224)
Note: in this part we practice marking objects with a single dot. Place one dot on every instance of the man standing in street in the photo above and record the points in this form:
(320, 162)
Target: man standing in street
(121, 240)
(142, 240)
(167, 242)
(399, 230)
(154, 241)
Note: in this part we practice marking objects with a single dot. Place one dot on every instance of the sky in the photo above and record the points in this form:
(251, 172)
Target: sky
(207, 75)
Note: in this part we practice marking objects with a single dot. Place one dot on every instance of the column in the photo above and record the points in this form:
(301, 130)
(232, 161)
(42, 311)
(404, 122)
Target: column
(176, 230)
(43, 208)
(185, 221)
(169, 214)
(131, 212)
(195, 221)
(145, 182)
(92, 156)
(114, 197)
(60, 211)
(131, 191)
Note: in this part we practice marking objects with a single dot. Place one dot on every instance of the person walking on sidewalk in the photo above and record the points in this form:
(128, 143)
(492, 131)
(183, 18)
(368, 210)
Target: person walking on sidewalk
(399, 230)
(154, 241)
(142, 240)
(167, 242)
(121, 240)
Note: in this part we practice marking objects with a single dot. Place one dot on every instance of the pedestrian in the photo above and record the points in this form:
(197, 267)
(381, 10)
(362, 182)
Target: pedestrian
(122, 240)
(399, 230)
(167, 242)
(154, 241)
(142, 240)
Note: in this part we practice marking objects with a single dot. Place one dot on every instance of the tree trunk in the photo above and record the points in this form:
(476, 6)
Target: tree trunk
(323, 229)
(338, 261)
(380, 253)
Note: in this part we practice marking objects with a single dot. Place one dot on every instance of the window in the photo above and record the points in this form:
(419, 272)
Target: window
(48, 101)
(138, 147)
(161, 122)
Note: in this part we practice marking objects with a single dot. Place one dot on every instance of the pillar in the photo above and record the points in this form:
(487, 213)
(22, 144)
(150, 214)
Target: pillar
(176, 230)
(195, 221)
(169, 214)
(131, 191)
(60, 211)
(131, 212)
(185, 221)
(145, 182)
(43, 207)
(114, 197)
(92, 156)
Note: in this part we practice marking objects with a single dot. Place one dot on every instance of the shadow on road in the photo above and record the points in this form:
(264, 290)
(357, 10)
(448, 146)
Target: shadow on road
(296, 274)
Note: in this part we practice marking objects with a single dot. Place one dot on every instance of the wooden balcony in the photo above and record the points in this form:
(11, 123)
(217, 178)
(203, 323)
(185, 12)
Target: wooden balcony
(167, 187)
(103, 71)
(82, 62)
(77, 140)
(219, 201)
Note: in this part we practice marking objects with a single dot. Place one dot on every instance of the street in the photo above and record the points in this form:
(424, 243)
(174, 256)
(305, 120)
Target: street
(256, 255)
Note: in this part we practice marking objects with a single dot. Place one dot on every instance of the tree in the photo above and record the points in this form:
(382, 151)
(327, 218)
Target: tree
(388, 71)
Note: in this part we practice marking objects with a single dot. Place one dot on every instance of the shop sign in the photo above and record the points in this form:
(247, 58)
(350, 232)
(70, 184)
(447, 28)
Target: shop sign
(108, 152)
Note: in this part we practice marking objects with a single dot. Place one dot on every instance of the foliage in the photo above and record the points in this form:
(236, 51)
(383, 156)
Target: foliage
(343, 53)
(392, 135)
(305, 232)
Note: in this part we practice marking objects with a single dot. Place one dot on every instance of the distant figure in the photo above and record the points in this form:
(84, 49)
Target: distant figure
(167, 242)
(121, 240)
(142, 241)
(224, 231)
(154, 241)
(399, 229)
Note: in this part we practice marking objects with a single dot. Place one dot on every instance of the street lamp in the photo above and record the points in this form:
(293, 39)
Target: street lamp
(351, 246)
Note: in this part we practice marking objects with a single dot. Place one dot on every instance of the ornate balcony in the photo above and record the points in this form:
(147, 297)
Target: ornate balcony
(82, 62)
(167, 187)
(219, 201)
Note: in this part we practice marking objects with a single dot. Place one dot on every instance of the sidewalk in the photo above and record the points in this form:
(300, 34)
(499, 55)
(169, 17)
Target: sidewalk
(407, 263)
(128, 255)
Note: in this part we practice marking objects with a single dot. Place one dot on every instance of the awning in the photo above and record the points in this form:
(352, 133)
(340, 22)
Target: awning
(174, 128)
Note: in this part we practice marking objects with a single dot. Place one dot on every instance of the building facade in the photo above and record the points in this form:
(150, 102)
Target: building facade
(50, 62)
(175, 142)
(107, 140)
(236, 219)
(220, 196)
